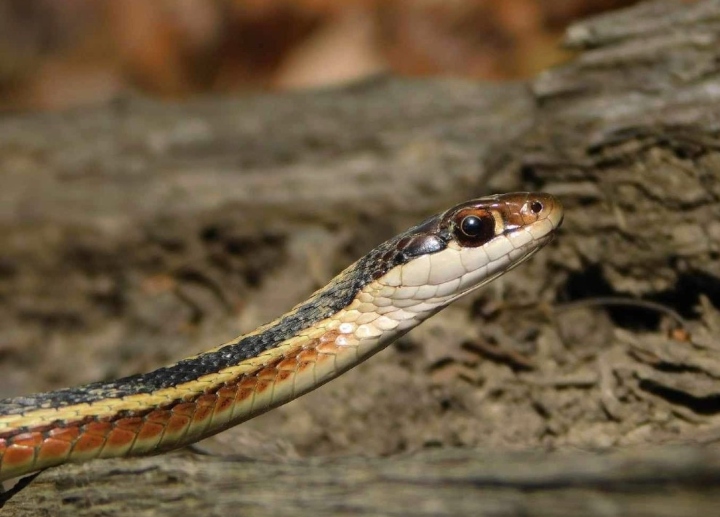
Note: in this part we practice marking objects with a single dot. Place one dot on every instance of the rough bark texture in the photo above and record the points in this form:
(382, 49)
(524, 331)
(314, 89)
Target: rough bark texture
(137, 233)
(445, 482)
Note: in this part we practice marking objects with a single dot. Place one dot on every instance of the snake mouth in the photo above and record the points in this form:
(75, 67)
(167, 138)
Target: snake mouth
(536, 246)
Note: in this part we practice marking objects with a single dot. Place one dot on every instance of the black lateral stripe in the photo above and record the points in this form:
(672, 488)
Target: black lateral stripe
(338, 294)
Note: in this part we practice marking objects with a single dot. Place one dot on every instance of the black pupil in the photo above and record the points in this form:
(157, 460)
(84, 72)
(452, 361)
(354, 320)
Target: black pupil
(536, 207)
(472, 226)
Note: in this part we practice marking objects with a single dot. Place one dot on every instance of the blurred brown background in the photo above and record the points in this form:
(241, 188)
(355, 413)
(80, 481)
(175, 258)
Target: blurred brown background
(55, 55)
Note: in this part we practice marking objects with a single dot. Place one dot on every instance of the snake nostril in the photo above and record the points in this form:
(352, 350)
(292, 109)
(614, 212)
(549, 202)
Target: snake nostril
(536, 207)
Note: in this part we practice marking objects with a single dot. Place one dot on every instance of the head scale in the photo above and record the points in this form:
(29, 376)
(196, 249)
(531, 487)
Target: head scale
(470, 244)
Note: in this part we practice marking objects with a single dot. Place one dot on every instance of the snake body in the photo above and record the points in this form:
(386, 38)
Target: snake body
(371, 303)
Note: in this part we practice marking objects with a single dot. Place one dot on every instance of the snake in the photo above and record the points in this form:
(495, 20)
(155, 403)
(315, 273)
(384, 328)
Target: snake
(377, 299)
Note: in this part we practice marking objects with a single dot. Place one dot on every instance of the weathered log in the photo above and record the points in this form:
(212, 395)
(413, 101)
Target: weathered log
(443, 482)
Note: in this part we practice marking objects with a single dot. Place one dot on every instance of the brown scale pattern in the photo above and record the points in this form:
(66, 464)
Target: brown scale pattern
(157, 430)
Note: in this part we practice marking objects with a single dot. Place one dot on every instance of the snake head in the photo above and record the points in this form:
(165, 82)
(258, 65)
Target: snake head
(453, 253)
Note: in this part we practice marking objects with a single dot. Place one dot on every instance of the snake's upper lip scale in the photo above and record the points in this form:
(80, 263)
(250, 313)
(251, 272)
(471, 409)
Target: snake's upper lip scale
(556, 213)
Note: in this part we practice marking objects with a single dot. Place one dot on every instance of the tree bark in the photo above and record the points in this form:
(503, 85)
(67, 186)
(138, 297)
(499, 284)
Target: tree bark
(441, 482)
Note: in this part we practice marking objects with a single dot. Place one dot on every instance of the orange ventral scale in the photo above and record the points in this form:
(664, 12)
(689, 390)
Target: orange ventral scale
(225, 399)
(327, 344)
(16, 456)
(118, 443)
(21, 450)
(265, 379)
(91, 440)
(58, 444)
(54, 449)
(176, 421)
(205, 406)
(121, 438)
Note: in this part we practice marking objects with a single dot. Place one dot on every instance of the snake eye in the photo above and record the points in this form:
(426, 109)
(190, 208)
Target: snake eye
(471, 226)
(474, 230)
